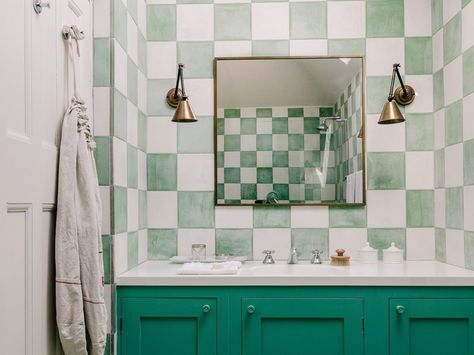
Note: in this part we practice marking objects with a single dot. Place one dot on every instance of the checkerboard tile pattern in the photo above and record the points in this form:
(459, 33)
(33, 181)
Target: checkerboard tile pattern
(260, 150)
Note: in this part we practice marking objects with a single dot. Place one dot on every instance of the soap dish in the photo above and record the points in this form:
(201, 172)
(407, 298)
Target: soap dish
(340, 259)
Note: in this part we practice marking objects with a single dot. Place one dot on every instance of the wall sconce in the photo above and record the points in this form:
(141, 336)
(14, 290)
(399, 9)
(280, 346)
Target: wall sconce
(178, 99)
(404, 95)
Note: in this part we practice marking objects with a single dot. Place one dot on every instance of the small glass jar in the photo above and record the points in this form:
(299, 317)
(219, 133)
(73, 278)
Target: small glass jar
(198, 252)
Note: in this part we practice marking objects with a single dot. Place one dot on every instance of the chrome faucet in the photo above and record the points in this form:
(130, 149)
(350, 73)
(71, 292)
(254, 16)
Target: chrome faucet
(316, 259)
(268, 256)
(293, 257)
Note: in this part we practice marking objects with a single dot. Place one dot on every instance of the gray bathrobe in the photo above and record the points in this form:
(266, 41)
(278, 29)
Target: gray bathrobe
(80, 307)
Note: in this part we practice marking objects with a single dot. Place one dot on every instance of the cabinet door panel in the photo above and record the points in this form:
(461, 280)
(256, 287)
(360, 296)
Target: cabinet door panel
(431, 326)
(302, 326)
(174, 326)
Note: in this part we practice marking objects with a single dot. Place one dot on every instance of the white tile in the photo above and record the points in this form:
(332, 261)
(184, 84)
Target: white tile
(468, 114)
(151, 2)
(280, 176)
(142, 177)
(393, 213)
(423, 85)
(270, 21)
(201, 96)
(309, 217)
(120, 68)
(328, 192)
(161, 60)
(141, 14)
(350, 239)
(119, 171)
(232, 191)
(439, 131)
(453, 162)
(230, 1)
(311, 111)
(195, 22)
(438, 54)
(142, 245)
(132, 39)
(232, 48)
(120, 251)
(231, 159)
(346, 19)
(309, 47)
(106, 216)
(420, 244)
(248, 112)
(248, 142)
(382, 53)
(280, 142)
(132, 124)
(311, 141)
(142, 92)
(440, 208)
(469, 208)
(263, 190)
(419, 170)
(132, 209)
(188, 237)
(455, 247)
(264, 125)
(232, 126)
(162, 209)
(102, 111)
(234, 217)
(278, 239)
(417, 18)
(161, 135)
(102, 13)
(450, 9)
(248, 175)
(384, 138)
(195, 172)
(468, 26)
(452, 80)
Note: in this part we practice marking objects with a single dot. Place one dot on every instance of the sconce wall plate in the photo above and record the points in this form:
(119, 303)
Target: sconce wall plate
(404, 99)
(172, 100)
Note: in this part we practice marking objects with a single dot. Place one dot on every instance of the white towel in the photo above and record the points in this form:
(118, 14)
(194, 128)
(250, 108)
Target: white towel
(350, 188)
(359, 181)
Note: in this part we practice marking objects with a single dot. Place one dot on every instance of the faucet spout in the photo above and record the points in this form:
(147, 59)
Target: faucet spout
(293, 257)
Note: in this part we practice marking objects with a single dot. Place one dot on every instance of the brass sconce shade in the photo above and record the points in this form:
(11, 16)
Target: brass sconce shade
(404, 95)
(178, 99)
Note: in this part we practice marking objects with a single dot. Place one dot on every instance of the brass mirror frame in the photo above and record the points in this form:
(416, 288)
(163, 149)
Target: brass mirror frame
(363, 129)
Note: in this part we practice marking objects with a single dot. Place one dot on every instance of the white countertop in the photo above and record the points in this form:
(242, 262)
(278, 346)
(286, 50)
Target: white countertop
(252, 273)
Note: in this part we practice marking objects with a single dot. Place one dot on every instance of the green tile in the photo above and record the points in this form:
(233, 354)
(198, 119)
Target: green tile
(295, 142)
(120, 23)
(439, 168)
(311, 125)
(419, 131)
(377, 92)
(386, 171)
(120, 215)
(106, 258)
(132, 249)
(312, 159)
(469, 162)
(264, 142)
(196, 137)
(198, 57)
(232, 22)
(101, 62)
(308, 20)
(142, 131)
(162, 244)
(385, 18)
(132, 167)
(248, 191)
(264, 175)
(220, 159)
(420, 208)
(132, 82)
(469, 250)
(220, 126)
(270, 48)
(296, 112)
(161, 22)
(381, 238)
(347, 217)
(248, 126)
(232, 143)
(271, 216)
(195, 209)
(452, 37)
(454, 123)
(465, 2)
(156, 100)
(194, 1)
(296, 175)
(264, 112)
(454, 208)
(307, 240)
(326, 112)
(102, 159)
(280, 159)
(440, 244)
(142, 210)
(234, 242)
(142, 53)
(231, 113)
(120, 115)
(438, 89)
(248, 159)
(220, 191)
(283, 191)
(418, 55)
(232, 175)
(354, 46)
(436, 15)
(468, 71)
(280, 125)
(161, 172)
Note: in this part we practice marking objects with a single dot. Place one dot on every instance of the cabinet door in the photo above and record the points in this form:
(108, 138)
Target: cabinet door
(168, 326)
(302, 326)
(431, 326)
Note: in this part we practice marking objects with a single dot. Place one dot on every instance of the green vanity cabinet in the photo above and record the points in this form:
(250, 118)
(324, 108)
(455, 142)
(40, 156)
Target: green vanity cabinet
(432, 326)
(302, 326)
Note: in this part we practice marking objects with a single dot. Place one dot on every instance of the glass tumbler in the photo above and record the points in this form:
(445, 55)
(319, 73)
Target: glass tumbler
(198, 252)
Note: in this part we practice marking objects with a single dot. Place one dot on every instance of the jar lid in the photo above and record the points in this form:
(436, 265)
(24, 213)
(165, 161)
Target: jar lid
(367, 247)
(393, 248)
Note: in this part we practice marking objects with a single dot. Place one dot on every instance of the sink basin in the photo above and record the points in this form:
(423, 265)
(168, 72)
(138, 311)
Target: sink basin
(297, 270)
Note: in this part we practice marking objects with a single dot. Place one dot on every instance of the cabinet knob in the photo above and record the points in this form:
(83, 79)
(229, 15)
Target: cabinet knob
(400, 309)
(251, 309)
(206, 308)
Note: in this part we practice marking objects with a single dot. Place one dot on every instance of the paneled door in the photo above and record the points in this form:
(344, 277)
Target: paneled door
(34, 92)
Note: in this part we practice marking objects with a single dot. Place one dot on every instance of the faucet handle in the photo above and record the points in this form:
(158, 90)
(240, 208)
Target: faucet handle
(268, 252)
(317, 252)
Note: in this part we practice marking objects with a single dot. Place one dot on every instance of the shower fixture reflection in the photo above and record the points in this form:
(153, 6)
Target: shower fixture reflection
(323, 127)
